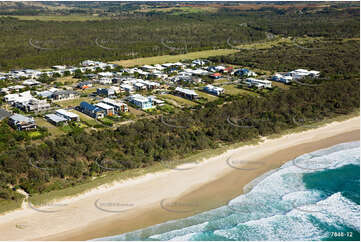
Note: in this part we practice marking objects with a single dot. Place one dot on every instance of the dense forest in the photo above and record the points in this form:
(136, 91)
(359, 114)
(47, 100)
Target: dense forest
(30, 44)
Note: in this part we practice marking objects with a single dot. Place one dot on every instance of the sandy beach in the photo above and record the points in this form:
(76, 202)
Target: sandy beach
(170, 194)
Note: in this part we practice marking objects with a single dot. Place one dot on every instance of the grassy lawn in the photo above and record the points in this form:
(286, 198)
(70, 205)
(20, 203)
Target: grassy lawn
(280, 85)
(173, 58)
(209, 97)
(61, 18)
(220, 81)
(53, 130)
(180, 100)
(73, 102)
(234, 90)
(67, 79)
(89, 90)
(34, 134)
(136, 112)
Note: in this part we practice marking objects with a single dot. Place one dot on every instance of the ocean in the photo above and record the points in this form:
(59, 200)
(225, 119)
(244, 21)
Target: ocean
(313, 197)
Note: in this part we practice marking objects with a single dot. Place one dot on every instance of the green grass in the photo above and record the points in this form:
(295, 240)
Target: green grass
(34, 134)
(173, 58)
(9, 205)
(66, 128)
(209, 97)
(234, 90)
(180, 100)
(53, 130)
(60, 18)
(280, 85)
(166, 108)
(73, 102)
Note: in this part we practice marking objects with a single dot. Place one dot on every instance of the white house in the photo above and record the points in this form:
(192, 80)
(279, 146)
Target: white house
(258, 83)
(281, 78)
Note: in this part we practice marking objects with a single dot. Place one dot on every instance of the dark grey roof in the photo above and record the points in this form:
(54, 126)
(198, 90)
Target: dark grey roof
(4, 114)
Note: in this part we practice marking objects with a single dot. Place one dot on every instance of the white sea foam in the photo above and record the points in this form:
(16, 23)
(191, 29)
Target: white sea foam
(278, 207)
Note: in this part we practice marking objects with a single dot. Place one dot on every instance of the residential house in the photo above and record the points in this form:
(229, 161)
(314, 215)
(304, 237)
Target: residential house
(198, 62)
(106, 91)
(128, 88)
(108, 109)
(91, 110)
(64, 95)
(141, 101)
(18, 97)
(228, 69)
(156, 101)
(214, 90)
(302, 73)
(68, 115)
(281, 78)
(244, 73)
(59, 67)
(45, 94)
(55, 119)
(186, 93)
(21, 122)
(33, 105)
(31, 82)
(105, 74)
(105, 81)
(118, 106)
(84, 85)
(252, 82)
(215, 75)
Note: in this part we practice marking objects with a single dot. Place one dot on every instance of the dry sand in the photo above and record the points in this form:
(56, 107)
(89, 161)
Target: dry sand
(167, 195)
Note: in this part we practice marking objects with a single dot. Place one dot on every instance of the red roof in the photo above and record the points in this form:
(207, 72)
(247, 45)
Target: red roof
(229, 68)
(216, 74)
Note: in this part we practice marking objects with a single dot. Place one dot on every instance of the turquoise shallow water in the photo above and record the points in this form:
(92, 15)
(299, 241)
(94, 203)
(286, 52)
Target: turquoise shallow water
(314, 197)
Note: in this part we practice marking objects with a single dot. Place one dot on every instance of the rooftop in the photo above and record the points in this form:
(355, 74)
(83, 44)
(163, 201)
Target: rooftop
(67, 113)
(55, 118)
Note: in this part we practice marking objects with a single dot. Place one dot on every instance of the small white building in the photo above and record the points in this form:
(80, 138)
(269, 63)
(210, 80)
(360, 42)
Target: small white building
(302, 73)
(68, 115)
(281, 78)
(252, 82)
(214, 90)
